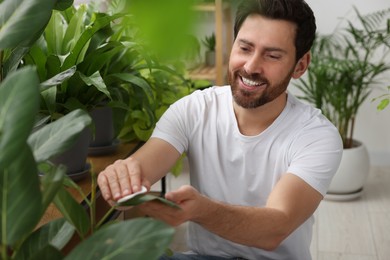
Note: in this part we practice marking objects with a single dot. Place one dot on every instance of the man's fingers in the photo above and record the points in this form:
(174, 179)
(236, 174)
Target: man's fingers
(104, 188)
(134, 174)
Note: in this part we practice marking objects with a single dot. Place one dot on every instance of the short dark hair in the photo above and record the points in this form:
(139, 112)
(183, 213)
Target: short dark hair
(296, 11)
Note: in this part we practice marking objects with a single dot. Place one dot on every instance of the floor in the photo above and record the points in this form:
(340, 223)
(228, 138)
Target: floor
(351, 230)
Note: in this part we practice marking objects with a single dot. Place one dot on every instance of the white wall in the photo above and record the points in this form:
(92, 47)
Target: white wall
(372, 127)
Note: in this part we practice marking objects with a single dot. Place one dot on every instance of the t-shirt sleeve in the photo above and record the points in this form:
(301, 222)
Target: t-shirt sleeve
(316, 155)
(172, 126)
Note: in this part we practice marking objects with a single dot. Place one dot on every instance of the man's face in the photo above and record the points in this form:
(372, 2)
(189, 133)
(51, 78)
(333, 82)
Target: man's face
(262, 60)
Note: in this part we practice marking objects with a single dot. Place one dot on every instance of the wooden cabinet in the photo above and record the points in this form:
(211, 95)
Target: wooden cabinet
(223, 38)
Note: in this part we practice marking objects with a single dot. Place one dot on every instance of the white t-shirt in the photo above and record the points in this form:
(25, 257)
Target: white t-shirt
(242, 170)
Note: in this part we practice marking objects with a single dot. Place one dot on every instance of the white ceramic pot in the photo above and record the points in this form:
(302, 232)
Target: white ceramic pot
(349, 179)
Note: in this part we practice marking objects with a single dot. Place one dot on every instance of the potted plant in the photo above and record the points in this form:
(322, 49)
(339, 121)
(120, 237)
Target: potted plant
(209, 43)
(25, 196)
(344, 68)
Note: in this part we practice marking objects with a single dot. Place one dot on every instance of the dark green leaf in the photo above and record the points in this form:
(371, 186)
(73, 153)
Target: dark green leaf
(19, 101)
(136, 81)
(56, 233)
(74, 57)
(20, 196)
(97, 81)
(51, 181)
(135, 239)
(58, 79)
(58, 136)
(142, 198)
(22, 21)
(72, 211)
(62, 5)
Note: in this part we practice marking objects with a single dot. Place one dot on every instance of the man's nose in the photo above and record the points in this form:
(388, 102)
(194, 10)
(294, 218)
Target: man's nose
(254, 65)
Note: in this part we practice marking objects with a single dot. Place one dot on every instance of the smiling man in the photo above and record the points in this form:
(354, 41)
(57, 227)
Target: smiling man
(260, 160)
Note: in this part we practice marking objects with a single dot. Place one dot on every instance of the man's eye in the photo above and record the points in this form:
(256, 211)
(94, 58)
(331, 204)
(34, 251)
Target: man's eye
(273, 57)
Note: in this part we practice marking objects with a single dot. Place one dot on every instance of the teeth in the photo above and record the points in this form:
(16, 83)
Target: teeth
(250, 82)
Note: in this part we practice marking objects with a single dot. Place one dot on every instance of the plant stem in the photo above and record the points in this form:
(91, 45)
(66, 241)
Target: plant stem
(105, 217)
(92, 206)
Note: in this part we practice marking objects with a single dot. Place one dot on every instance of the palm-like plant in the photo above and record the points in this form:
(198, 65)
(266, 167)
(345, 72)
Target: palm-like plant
(344, 68)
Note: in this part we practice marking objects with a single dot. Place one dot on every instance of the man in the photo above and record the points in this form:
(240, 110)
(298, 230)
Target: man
(260, 160)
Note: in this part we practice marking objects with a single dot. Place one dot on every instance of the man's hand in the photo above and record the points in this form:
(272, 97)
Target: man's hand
(122, 178)
(186, 197)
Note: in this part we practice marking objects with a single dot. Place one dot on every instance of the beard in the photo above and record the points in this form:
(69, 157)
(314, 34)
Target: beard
(250, 99)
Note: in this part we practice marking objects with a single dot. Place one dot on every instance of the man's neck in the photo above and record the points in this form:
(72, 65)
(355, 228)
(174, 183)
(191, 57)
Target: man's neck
(252, 122)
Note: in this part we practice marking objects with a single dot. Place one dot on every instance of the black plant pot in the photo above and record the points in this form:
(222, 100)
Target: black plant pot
(75, 159)
(103, 139)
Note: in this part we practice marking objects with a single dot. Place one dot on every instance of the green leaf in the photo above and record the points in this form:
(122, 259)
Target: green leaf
(142, 198)
(20, 196)
(54, 33)
(58, 136)
(51, 181)
(135, 239)
(97, 81)
(72, 211)
(22, 21)
(74, 29)
(58, 79)
(55, 234)
(74, 57)
(62, 5)
(19, 101)
(383, 104)
(136, 81)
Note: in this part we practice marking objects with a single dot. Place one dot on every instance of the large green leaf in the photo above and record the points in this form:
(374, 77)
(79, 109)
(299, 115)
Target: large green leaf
(135, 239)
(22, 20)
(72, 211)
(56, 233)
(58, 136)
(20, 196)
(19, 101)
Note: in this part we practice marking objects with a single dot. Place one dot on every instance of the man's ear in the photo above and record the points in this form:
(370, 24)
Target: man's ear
(302, 65)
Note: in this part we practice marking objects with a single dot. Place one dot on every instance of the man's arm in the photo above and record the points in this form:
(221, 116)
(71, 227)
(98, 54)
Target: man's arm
(146, 166)
(291, 202)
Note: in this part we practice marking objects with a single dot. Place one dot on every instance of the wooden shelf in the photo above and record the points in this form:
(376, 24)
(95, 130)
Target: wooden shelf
(222, 18)
(205, 72)
(210, 7)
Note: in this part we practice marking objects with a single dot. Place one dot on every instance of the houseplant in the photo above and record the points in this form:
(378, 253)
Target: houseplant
(24, 195)
(344, 68)
(209, 43)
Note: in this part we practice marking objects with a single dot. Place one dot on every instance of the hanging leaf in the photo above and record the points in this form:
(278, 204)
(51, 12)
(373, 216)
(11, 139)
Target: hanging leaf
(58, 136)
(20, 196)
(135, 239)
(55, 234)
